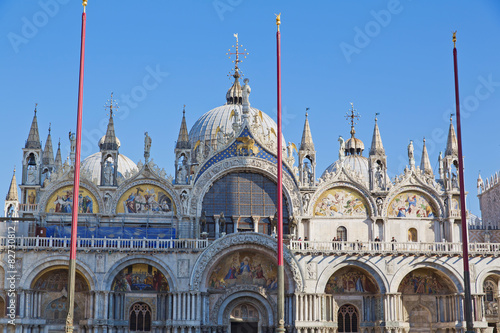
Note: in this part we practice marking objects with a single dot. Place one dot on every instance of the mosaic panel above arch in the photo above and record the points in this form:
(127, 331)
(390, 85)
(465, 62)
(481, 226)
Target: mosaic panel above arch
(351, 280)
(424, 281)
(61, 201)
(411, 204)
(244, 268)
(146, 199)
(57, 279)
(341, 201)
(140, 278)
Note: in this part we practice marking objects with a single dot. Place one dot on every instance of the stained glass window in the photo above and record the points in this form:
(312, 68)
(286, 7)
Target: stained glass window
(241, 195)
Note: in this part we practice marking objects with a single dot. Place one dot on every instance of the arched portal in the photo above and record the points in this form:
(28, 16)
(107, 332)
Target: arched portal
(244, 318)
(52, 286)
(348, 319)
(420, 319)
(427, 288)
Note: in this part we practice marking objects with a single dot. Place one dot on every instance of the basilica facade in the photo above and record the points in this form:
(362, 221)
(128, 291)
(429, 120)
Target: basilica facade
(196, 251)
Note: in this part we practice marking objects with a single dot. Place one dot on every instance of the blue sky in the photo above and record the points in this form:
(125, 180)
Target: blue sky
(389, 57)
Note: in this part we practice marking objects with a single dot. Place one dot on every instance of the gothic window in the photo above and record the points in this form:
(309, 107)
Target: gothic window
(412, 235)
(140, 318)
(489, 290)
(342, 234)
(240, 196)
(347, 319)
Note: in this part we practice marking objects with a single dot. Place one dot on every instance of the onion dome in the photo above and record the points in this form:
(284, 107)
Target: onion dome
(235, 94)
(353, 145)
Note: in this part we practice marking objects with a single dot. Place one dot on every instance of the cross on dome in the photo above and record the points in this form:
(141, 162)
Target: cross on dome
(237, 58)
(110, 105)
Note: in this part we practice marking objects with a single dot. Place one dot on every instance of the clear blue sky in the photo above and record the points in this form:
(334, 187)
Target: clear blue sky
(391, 57)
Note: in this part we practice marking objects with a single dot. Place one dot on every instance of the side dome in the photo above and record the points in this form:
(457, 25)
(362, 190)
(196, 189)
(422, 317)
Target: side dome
(356, 163)
(92, 165)
(205, 128)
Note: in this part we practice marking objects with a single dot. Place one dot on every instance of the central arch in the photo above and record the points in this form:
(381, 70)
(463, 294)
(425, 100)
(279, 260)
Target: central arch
(226, 308)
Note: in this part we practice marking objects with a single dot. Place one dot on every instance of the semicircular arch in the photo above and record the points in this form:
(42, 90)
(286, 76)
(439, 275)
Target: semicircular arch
(165, 204)
(56, 262)
(484, 274)
(242, 241)
(228, 302)
(428, 201)
(442, 267)
(123, 263)
(333, 267)
(337, 194)
(237, 164)
(49, 199)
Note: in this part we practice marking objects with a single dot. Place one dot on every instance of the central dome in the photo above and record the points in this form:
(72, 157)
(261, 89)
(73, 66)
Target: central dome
(206, 126)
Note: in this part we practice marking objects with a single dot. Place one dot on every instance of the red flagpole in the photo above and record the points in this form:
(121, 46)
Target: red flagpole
(76, 183)
(463, 211)
(281, 272)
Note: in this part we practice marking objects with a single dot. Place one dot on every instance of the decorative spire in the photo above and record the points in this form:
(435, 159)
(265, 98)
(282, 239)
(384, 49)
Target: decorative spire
(58, 162)
(33, 141)
(307, 142)
(183, 139)
(48, 152)
(425, 163)
(110, 141)
(451, 145)
(12, 195)
(377, 146)
(234, 94)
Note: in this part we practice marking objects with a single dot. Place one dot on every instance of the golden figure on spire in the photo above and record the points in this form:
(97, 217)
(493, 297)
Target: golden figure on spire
(455, 39)
(237, 54)
(278, 20)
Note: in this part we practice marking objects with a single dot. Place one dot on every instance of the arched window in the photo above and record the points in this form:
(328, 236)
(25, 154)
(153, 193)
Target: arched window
(140, 318)
(412, 235)
(489, 290)
(342, 234)
(347, 319)
(244, 198)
